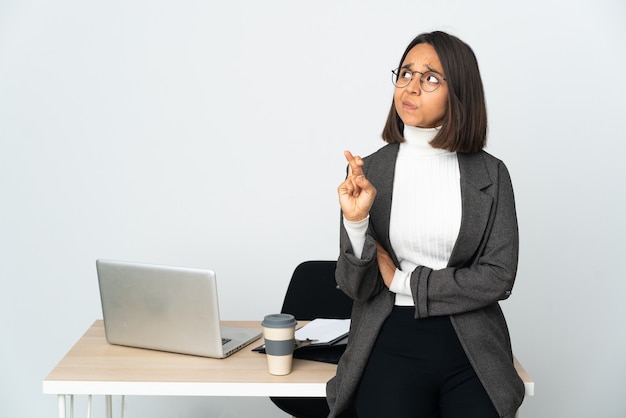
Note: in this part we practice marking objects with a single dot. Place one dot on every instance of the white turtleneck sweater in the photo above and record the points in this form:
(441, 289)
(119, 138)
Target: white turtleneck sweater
(425, 210)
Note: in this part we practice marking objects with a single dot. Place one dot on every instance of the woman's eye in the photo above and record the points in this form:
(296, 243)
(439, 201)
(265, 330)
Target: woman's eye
(406, 74)
(431, 78)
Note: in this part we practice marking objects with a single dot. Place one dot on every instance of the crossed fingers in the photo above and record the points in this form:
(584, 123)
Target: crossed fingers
(355, 164)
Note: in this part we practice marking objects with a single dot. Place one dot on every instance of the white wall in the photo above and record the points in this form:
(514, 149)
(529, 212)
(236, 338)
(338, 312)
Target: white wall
(210, 134)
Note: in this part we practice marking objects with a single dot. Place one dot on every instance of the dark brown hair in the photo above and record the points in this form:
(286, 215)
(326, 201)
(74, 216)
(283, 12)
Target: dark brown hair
(464, 127)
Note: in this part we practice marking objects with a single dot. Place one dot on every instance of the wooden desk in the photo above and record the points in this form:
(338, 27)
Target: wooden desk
(95, 367)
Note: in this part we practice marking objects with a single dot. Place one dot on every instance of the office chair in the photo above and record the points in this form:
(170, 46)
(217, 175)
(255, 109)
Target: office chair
(312, 293)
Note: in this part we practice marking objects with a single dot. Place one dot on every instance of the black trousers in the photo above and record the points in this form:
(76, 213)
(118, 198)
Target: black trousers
(418, 369)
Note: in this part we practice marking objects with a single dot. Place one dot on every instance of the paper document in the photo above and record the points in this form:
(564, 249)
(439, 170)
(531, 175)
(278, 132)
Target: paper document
(324, 331)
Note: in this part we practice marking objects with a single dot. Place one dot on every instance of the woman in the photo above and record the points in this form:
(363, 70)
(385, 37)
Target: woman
(427, 269)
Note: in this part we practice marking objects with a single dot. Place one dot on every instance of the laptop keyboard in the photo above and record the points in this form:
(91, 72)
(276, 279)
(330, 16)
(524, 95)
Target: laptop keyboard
(225, 340)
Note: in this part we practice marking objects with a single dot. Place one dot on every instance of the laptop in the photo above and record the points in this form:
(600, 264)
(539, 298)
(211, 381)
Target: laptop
(166, 308)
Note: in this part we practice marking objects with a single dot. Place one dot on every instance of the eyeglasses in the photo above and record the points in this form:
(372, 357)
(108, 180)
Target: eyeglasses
(429, 81)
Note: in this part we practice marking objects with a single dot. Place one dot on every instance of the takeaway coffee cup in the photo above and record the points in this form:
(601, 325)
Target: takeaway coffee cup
(278, 332)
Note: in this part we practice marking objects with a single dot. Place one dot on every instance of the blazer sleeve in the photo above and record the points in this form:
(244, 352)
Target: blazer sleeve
(358, 277)
(488, 274)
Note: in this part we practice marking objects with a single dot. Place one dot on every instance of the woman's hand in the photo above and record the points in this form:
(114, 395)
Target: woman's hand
(385, 264)
(356, 193)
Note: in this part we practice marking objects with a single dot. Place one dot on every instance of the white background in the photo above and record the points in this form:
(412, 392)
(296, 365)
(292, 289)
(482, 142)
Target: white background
(210, 134)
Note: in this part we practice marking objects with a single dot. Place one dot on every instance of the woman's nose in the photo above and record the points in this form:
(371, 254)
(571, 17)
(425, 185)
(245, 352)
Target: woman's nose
(414, 86)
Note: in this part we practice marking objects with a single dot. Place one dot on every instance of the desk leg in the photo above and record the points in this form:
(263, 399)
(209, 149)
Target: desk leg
(61, 405)
(108, 400)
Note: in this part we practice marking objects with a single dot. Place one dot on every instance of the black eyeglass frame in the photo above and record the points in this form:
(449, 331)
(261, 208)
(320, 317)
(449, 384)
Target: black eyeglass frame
(396, 76)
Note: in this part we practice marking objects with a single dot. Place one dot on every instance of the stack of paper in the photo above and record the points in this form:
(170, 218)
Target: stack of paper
(323, 331)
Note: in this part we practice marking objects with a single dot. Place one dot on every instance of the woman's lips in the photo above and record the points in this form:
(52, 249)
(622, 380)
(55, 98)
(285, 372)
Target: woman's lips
(408, 106)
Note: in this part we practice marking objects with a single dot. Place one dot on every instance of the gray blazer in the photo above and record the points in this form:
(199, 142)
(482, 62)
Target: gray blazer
(481, 272)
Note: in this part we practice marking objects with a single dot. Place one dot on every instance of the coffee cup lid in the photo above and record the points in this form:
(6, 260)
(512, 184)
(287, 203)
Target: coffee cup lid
(281, 320)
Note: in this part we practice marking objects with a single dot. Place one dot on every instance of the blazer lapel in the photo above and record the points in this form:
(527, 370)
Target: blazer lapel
(476, 207)
(381, 173)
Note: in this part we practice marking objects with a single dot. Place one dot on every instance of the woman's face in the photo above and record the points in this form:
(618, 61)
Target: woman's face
(415, 106)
